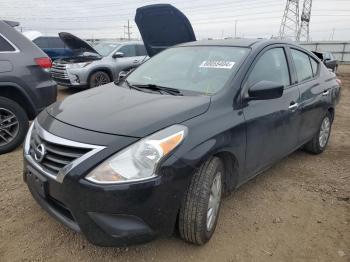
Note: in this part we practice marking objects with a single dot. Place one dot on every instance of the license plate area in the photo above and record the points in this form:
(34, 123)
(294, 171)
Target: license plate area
(37, 181)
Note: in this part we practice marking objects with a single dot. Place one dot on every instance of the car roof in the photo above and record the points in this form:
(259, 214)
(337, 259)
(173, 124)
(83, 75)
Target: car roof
(243, 42)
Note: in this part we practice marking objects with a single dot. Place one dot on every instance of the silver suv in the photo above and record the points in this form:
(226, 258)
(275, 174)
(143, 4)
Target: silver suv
(98, 65)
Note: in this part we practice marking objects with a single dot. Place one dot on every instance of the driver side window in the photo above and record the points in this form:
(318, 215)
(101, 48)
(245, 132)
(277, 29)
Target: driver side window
(271, 66)
(128, 50)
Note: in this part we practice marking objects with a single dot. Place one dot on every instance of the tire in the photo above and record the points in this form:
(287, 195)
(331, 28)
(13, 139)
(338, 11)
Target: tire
(99, 78)
(335, 69)
(317, 145)
(195, 225)
(12, 134)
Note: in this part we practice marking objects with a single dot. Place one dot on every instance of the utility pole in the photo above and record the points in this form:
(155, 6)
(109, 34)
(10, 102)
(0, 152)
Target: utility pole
(127, 32)
(290, 21)
(304, 31)
(235, 28)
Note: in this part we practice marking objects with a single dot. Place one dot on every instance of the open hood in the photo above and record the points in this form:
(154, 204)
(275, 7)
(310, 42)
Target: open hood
(76, 44)
(162, 26)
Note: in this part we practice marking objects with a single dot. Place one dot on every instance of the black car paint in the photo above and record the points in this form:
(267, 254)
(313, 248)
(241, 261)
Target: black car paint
(249, 135)
(162, 26)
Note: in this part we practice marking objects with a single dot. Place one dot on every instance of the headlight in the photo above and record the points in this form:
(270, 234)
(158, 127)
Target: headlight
(78, 65)
(139, 161)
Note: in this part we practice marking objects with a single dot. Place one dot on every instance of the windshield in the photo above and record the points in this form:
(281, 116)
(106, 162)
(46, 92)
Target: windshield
(203, 69)
(105, 49)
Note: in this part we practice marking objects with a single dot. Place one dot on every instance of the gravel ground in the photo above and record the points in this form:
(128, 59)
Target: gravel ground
(299, 210)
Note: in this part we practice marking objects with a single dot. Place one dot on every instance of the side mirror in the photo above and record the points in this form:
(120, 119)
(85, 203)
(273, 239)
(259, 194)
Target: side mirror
(118, 55)
(265, 90)
(124, 73)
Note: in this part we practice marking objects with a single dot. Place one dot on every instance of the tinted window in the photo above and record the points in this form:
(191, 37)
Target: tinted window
(128, 50)
(55, 42)
(42, 42)
(302, 65)
(203, 69)
(5, 46)
(271, 66)
(141, 50)
(314, 66)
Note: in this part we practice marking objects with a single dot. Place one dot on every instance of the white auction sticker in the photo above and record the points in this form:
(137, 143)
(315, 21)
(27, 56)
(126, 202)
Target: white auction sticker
(217, 64)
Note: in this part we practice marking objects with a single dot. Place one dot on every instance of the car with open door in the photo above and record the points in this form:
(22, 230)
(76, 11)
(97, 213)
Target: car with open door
(94, 66)
(53, 46)
(129, 161)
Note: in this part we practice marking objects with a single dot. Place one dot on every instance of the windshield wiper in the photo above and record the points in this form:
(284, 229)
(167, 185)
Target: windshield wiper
(153, 87)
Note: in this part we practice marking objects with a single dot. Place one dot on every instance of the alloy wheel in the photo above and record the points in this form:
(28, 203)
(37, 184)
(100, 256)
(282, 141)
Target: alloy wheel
(100, 79)
(214, 201)
(324, 132)
(9, 126)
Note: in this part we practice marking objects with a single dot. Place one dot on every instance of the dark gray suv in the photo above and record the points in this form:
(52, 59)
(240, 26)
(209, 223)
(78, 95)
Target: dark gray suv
(25, 85)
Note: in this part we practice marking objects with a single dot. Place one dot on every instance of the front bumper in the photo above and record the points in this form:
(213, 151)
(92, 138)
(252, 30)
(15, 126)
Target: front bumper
(110, 215)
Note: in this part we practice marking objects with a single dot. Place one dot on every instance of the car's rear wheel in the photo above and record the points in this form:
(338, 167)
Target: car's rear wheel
(201, 205)
(99, 78)
(13, 125)
(319, 142)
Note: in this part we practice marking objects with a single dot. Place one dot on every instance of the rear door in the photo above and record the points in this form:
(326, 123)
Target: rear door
(272, 125)
(162, 26)
(313, 93)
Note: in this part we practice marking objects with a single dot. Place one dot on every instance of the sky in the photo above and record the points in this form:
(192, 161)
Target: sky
(210, 19)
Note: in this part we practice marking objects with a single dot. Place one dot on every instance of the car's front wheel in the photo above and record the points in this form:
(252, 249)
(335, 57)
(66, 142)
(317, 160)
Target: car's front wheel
(99, 78)
(319, 142)
(201, 205)
(13, 125)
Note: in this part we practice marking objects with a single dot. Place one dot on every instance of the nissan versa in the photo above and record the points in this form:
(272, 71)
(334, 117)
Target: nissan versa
(128, 161)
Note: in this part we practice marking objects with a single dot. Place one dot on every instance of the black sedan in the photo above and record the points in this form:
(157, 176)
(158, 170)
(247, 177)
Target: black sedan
(129, 161)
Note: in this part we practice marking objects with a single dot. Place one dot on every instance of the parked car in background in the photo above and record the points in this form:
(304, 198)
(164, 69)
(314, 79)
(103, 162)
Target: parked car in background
(53, 46)
(132, 160)
(94, 66)
(25, 85)
(328, 59)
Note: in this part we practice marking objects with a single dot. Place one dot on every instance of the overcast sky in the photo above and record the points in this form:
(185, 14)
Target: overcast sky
(209, 18)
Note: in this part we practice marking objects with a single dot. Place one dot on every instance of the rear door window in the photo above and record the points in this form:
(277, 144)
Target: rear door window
(128, 50)
(42, 42)
(55, 42)
(141, 50)
(5, 46)
(302, 65)
(271, 66)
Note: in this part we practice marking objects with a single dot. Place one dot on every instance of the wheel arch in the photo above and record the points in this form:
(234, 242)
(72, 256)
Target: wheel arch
(332, 112)
(103, 69)
(14, 92)
(231, 166)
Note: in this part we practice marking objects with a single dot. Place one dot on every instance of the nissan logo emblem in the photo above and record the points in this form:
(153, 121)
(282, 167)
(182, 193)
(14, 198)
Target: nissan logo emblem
(39, 153)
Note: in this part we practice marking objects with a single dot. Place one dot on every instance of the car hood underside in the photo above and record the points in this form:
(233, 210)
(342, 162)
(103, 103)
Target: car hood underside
(117, 110)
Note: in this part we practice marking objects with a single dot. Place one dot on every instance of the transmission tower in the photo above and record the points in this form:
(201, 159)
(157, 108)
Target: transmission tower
(290, 20)
(303, 32)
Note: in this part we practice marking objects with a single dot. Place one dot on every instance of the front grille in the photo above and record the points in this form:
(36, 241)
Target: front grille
(59, 71)
(56, 156)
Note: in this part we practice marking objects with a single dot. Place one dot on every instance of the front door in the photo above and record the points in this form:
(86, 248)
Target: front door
(272, 125)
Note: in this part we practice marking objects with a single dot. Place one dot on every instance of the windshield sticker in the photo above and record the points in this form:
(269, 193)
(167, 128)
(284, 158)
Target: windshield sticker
(217, 64)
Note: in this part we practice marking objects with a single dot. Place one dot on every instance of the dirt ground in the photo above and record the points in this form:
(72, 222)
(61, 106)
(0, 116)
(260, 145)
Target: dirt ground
(297, 211)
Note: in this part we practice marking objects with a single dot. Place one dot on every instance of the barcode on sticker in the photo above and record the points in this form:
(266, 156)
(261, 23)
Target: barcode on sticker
(217, 64)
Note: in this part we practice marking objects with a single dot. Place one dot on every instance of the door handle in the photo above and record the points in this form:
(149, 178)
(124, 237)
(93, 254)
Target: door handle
(136, 61)
(293, 106)
(325, 92)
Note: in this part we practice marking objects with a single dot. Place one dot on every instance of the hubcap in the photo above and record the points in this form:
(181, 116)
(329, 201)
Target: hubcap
(324, 132)
(214, 201)
(9, 126)
(100, 80)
